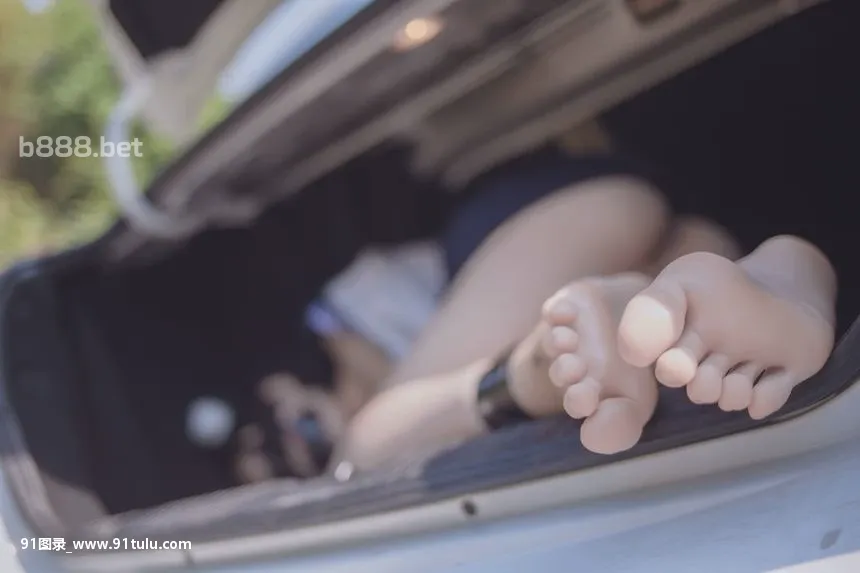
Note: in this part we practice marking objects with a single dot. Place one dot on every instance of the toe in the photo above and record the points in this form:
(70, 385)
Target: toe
(560, 308)
(616, 426)
(677, 366)
(567, 369)
(559, 340)
(581, 399)
(651, 324)
(771, 393)
(707, 386)
(738, 386)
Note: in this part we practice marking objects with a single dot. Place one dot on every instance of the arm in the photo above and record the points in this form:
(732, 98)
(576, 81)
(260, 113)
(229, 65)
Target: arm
(432, 413)
(424, 415)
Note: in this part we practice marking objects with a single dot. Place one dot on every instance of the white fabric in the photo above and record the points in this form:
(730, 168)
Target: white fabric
(389, 296)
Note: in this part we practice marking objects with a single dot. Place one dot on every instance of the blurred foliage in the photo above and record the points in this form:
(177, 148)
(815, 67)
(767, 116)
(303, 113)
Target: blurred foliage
(214, 112)
(56, 79)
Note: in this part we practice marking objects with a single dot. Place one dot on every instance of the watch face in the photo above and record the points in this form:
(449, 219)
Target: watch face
(650, 10)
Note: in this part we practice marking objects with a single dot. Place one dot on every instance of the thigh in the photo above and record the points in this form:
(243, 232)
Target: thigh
(528, 231)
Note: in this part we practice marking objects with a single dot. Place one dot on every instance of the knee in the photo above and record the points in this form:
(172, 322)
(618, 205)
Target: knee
(634, 197)
(626, 206)
(626, 214)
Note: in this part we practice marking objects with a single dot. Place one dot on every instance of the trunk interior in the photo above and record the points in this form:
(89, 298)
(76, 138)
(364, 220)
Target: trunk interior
(758, 138)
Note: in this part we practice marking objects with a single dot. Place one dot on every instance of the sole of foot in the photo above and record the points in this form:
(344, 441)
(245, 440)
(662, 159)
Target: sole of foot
(572, 358)
(739, 335)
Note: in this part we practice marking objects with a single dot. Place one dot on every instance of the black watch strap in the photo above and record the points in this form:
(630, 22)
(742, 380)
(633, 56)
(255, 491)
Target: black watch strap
(495, 402)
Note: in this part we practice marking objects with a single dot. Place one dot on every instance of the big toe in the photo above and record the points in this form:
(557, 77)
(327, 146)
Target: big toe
(616, 426)
(651, 323)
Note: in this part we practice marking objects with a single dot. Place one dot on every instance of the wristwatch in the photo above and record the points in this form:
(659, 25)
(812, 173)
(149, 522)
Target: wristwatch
(496, 404)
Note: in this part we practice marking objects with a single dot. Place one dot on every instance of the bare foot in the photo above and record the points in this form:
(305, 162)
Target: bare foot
(570, 361)
(741, 335)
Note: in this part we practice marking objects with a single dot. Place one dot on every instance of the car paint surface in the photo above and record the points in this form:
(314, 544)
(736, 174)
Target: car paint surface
(800, 513)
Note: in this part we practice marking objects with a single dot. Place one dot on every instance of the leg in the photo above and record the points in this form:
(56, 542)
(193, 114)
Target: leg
(693, 235)
(599, 227)
(602, 226)
(573, 350)
(438, 411)
(741, 335)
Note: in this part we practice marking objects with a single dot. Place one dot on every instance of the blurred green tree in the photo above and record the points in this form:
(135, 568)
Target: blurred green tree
(56, 79)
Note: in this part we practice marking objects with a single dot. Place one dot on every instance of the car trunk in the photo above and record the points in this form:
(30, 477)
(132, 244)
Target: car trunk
(101, 357)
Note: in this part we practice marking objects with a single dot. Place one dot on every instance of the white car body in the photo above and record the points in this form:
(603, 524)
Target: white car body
(782, 497)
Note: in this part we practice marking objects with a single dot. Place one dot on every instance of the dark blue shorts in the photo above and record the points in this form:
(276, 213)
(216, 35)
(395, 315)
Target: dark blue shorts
(507, 190)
